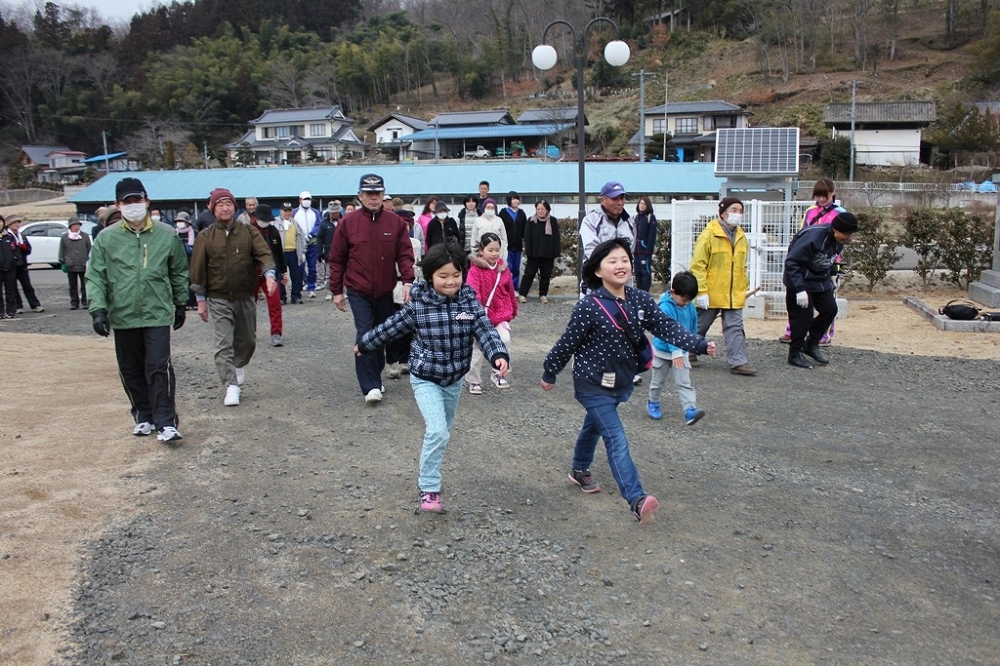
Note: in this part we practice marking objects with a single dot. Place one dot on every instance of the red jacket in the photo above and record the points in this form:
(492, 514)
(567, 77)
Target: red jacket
(365, 252)
(481, 278)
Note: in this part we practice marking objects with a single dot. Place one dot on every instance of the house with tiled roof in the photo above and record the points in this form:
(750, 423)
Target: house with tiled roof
(295, 136)
(391, 132)
(692, 126)
(885, 133)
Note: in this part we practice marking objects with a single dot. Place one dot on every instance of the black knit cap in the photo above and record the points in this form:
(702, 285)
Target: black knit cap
(845, 223)
(727, 202)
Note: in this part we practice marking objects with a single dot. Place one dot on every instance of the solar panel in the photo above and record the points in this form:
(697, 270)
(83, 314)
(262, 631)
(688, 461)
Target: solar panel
(757, 150)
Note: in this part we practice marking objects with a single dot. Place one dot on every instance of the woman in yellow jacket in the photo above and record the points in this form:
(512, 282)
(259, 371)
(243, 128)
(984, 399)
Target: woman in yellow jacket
(720, 264)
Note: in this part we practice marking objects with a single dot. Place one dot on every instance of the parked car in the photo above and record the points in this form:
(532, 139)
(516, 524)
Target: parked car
(44, 238)
(479, 152)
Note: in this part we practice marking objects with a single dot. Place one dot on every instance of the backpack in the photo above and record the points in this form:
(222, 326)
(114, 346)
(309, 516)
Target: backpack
(959, 310)
(641, 343)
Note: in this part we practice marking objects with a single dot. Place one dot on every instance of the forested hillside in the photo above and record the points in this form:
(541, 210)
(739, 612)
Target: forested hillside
(191, 74)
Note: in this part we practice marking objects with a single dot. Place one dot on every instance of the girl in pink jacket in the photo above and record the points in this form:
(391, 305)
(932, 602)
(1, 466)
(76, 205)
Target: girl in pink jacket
(490, 278)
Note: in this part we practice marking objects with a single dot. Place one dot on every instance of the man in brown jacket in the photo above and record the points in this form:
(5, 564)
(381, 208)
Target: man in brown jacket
(224, 268)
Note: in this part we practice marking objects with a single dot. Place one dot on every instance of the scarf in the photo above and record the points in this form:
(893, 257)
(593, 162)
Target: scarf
(548, 225)
(73, 235)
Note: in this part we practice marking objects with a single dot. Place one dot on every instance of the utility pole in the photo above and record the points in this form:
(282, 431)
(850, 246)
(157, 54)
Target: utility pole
(854, 95)
(107, 167)
(666, 95)
(642, 112)
(204, 147)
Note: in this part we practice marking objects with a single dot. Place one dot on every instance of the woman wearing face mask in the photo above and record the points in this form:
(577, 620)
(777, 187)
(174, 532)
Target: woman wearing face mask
(720, 264)
(442, 228)
(490, 223)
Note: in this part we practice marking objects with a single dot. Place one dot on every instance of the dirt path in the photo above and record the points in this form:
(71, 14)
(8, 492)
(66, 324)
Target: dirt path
(71, 472)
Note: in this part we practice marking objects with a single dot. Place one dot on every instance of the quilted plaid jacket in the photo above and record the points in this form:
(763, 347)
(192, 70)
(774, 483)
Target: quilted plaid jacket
(444, 330)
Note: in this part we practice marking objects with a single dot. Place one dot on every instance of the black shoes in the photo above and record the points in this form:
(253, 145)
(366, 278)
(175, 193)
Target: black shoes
(800, 360)
(813, 351)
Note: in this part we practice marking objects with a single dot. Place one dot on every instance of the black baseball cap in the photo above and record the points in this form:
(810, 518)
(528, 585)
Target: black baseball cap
(129, 187)
(371, 182)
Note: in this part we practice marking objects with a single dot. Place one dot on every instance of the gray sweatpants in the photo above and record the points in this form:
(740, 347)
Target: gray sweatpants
(682, 379)
(732, 333)
(234, 326)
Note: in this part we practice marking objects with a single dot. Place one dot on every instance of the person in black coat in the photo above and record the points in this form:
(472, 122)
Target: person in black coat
(808, 280)
(514, 221)
(443, 228)
(645, 243)
(542, 247)
(324, 238)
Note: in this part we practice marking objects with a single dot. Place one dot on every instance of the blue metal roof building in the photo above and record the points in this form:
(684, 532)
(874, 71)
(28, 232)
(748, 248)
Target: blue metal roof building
(452, 181)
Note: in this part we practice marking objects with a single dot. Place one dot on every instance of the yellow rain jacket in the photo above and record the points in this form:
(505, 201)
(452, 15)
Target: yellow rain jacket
(721, 267)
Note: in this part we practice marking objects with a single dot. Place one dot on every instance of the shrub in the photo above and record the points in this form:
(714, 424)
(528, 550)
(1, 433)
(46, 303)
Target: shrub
(965, 246)
(872, 252)
(921, 230)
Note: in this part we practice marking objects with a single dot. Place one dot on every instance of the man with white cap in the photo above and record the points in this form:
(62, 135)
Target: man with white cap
(368, 246)
(226, 261)
(307, 220)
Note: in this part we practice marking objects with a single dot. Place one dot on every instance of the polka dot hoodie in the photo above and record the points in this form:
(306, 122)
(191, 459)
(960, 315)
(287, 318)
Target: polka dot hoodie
(605, 360)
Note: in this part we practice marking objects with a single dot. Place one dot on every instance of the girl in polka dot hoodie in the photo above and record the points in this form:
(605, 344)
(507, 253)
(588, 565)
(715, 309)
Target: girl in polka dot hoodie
(605, 363)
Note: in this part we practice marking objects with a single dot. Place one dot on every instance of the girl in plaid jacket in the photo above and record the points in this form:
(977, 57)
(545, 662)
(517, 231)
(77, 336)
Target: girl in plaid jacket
(444, 317)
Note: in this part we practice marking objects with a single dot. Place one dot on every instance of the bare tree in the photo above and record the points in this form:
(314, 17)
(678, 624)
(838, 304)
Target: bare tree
(287, 85)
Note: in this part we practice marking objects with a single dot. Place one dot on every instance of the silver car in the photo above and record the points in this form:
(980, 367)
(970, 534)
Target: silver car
(44, 238)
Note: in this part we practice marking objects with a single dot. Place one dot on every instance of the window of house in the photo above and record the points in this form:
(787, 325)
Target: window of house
(659, 125)
(317, 129)
(268, 132)
(725, 122)
(395, 134)
(686, 126)
(283, 132)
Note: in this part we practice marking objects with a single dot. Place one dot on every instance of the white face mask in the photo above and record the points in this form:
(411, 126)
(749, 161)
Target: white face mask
(489, 212)
(735, 219)
(182, 225)
(156, 218)
(307, 203)
(134, 212)
(442, 216)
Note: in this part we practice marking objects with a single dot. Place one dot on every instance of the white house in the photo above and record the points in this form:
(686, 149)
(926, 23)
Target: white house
(692, 126)
(885, 133)
(390, 133)
(295, 136)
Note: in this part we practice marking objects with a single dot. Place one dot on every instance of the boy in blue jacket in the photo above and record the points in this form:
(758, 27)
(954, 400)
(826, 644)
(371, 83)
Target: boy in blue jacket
(678, 305)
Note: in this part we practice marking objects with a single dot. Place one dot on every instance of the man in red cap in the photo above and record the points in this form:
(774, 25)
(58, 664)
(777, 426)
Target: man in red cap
(225, 263)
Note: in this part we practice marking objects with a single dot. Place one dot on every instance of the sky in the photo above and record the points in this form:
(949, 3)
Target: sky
(115, 9)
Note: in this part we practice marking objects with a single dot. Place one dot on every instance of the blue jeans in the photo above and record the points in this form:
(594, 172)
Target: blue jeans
(437, 405)
(514, 263)
(603, 422)
(368, 313)
(312, 253)
(295, 275)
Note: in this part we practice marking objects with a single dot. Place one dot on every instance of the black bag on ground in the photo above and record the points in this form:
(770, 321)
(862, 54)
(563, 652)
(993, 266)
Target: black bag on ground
(960, 310)
(990, 316)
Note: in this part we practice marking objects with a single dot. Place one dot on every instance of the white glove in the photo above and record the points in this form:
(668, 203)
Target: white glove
(802, 299)
(701, 301)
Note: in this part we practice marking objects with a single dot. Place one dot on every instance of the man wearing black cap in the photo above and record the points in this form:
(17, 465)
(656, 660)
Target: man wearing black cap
(808, 280)
(368, 246)
(146, 269)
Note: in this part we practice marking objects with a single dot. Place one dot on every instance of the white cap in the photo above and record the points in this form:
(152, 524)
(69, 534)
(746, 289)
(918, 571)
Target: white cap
(304, 194)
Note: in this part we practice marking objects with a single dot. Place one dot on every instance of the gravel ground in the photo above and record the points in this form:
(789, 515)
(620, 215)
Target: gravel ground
(847, 515)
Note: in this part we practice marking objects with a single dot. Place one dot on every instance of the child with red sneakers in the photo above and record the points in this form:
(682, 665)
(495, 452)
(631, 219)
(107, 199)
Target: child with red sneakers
(444, 317)
(492, 281)
(606, 360)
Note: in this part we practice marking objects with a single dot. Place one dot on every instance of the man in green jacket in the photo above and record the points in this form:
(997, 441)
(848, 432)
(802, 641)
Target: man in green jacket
(137, 280)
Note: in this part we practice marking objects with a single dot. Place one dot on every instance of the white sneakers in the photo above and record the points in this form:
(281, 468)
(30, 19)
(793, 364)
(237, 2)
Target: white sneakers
(169, 434)
(394, 371)
(374, 395)
(232, 395)
(241, 374)
(143, 429)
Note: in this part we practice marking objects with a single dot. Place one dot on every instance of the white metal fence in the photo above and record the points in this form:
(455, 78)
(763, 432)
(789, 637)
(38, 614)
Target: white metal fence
(769, 227)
